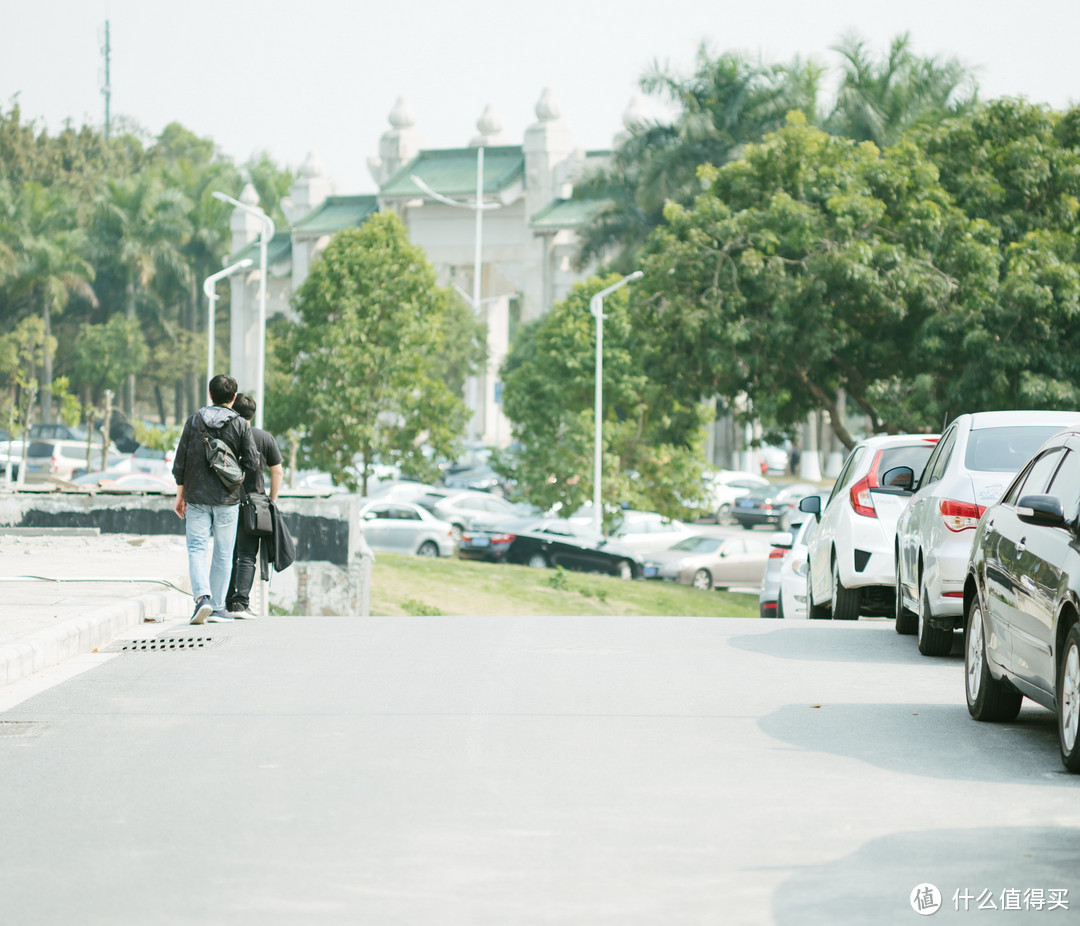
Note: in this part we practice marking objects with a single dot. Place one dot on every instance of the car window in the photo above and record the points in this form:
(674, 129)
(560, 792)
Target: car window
(848, 471)
(1066, 485)
(914, 457)
(406, 514)
(1039, 473)
(1005, 449)
(939, 459)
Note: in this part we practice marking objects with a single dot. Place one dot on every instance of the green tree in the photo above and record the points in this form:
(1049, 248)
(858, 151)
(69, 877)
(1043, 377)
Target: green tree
(105, 355)
(811, 265)
(651, 441)
(364, 380)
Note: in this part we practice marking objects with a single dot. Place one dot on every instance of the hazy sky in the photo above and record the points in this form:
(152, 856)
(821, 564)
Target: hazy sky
(323, 75)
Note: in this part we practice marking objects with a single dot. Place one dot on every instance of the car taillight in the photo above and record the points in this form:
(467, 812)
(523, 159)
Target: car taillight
(54, 464)
(502, 538)
(777, 552)
(859, 494)
(960, 516)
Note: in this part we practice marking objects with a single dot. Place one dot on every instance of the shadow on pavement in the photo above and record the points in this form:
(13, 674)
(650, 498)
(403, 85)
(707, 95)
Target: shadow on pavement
(1005, 866)
(935, 740)
(857, 641)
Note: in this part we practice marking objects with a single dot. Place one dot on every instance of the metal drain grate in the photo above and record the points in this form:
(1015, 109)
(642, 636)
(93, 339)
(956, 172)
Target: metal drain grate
(9, 728)
(163, 644)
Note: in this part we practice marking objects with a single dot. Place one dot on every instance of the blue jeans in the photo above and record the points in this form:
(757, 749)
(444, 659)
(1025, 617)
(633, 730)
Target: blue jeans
(210, 575)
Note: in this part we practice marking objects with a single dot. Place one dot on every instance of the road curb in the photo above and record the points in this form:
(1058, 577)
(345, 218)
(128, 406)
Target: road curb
(94, 630)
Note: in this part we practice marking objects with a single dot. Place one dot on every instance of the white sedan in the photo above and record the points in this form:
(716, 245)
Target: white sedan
(402, 527)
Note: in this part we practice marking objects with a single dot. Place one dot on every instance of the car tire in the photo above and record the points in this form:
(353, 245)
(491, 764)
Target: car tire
(846, 601)
(723, 514)
(624, 570)
(456, 531)
(1068, 700)
(988, 699)
(703, 580)
(746, 526)
(907, 621)
(932, 640)
(815, 612)
(537, 561)
(428, 548)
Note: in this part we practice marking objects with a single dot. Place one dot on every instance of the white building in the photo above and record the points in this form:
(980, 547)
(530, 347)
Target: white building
(524, 242)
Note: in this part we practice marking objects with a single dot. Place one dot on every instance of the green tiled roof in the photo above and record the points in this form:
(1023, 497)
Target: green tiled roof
(336, 213)
(278, 248)
(565, 213)
(452, 171)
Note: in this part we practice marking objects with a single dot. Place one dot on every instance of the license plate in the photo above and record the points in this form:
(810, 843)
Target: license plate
(744, 503)
(650, 571)
(480, 542)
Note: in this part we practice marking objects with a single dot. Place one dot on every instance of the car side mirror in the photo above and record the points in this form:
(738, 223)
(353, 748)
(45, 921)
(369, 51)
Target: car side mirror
(899, 477)
(1044, 510)
(811, 505)
(782, 539)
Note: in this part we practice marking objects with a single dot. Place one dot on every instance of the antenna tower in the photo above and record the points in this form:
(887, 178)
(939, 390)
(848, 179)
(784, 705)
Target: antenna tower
(106, 89)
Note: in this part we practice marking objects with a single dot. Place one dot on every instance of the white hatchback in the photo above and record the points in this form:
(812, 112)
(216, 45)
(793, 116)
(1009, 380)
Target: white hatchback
(974, 462)
(851, 566)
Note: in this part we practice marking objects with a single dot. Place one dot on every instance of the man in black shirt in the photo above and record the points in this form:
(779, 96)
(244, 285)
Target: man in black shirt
(247, 547)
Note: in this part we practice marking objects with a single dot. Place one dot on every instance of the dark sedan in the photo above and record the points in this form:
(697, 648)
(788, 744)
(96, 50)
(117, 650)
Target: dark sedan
(1022, 597)
(549, 542)
(775, 505)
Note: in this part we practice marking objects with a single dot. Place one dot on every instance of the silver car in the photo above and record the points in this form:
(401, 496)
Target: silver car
(402, 527)
(708, 561)
(972, 465)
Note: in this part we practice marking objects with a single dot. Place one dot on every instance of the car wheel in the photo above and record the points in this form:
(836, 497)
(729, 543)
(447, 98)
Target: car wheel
(536, 561)
(703, 580)
(932, 640)
(988, 699)
(723, 514)
(456, 531)
(746, 525)
(907, 621)
(815, 612)
(624, 570)
(846, 601)
(428, 548)
(1068, 701)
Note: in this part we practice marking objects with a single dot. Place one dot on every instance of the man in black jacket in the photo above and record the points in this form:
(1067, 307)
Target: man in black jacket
(247, 547)
(210, 511)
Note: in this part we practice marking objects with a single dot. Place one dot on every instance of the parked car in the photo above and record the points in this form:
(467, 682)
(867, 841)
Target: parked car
(779, 549)
(709, 561)
(792, 601)
(724, 486)
(1021, 596)
(147, 460)
(774, 505)
(647, 530)
(479, 479)
(852, 562)
(112, 481)
(63, 460)
(402, 490)
(977, 457)
(549, 542)
(402, 527)
(463, 508)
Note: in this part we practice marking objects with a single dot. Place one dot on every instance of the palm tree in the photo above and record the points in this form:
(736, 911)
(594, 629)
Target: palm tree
(50, 267)
(727, 103)
(879, 100)
(141, 226)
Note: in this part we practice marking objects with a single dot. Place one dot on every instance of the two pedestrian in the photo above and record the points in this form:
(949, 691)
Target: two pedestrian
(238, 601)
(210, 511)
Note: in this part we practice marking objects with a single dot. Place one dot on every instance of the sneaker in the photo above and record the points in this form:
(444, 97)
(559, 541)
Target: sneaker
(243, 614)
(203, 609)
(218, 617)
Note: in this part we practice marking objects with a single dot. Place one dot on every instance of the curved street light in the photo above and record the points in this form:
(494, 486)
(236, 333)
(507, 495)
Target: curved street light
(596, 307)
(211, 295)
(265, 235)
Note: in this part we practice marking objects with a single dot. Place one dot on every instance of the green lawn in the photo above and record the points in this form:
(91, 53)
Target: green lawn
(413, 585)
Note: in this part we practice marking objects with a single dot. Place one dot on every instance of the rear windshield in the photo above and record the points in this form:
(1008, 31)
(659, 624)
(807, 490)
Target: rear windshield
(915, 457)
(1006, 449)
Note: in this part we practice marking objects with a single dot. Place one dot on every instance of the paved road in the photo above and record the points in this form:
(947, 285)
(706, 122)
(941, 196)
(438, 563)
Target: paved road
(579, 771)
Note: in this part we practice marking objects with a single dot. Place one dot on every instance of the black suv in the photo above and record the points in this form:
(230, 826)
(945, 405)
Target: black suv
(1022, 596)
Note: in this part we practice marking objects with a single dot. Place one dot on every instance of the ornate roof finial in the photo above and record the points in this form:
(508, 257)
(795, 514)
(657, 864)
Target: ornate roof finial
(402, 115)
(548, 107)
(490, 121)
(249, 197)
(312, 166)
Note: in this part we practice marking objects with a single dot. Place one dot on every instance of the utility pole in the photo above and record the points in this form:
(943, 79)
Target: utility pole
(106, 88)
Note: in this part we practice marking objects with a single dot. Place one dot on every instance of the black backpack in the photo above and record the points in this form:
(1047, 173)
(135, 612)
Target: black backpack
(220, 458)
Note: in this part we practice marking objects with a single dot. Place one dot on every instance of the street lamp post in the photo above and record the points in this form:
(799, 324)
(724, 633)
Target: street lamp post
(596, 307)
(264, 238)
(211, 295)
(478, 207)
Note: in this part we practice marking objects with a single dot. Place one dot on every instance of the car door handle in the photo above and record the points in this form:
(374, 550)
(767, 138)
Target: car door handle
(989, 526)
(1021, 546)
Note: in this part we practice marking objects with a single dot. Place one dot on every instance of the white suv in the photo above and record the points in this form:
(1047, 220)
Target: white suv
(851, 566)
(974, 462)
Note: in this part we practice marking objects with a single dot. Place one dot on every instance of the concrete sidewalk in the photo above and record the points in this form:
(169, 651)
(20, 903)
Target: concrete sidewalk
(65, 593)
